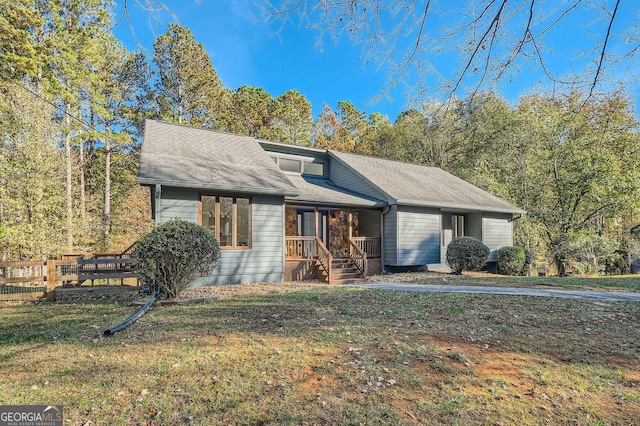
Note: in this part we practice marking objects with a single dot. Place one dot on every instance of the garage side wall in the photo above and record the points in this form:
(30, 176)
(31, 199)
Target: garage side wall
(497, 232)
(418, 236)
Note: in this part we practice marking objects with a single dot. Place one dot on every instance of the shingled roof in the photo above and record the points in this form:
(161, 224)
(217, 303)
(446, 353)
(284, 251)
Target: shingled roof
(320, 190)
(182, 156)
(415, 185)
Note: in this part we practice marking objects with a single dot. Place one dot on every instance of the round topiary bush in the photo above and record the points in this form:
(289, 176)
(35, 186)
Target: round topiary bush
(174, 254)
(511, 260)
(466, 253)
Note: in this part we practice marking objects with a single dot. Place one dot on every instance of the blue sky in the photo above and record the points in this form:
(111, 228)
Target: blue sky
(245, 51)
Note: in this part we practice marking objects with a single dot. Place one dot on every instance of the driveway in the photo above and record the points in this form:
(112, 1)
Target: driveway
(571, 294)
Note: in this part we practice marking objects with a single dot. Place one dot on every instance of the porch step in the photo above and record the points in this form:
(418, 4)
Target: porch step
(343, 271)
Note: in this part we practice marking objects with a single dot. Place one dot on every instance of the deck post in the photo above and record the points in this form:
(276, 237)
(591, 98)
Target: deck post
(51, 280)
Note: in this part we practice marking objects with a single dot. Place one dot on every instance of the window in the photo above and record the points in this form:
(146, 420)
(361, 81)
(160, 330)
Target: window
(288, 165)
(457, 225)
(228, 218)
(316, 169)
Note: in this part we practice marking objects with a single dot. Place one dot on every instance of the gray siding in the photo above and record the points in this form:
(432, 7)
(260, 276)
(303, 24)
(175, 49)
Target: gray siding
(369, 223)
(497, 232)
(390, 241)
(264, 261)
(474, 225)
(177, 202)
(418, 236)
(447, 236)
(347, 178)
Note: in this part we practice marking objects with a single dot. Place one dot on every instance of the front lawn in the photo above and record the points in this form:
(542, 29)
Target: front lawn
(328, 356)
(596, 283)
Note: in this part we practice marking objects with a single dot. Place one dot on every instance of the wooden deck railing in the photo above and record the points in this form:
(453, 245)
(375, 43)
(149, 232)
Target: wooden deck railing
(368, 245)
(324, 258)
(37, 277)
(358, 257)
(300, 247)
(309, 248)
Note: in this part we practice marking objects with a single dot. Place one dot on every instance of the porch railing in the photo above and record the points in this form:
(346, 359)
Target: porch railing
(358, 257)
(324, 258)
(300, 247)
(309, 248)
(368, 245)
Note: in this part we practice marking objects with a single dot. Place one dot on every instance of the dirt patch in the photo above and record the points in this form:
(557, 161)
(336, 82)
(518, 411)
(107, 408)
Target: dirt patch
(234, 290)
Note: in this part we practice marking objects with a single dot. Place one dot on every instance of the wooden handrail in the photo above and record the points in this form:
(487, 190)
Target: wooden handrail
(300, 247)
(324, 257)
(371, 246)
(71, 269)
(358, 257)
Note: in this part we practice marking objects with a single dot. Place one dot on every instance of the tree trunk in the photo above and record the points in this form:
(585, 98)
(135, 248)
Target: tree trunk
(67, 148)
(107, 193)
(83, 198)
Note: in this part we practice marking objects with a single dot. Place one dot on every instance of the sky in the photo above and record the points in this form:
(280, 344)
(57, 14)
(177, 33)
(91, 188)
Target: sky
(246, 51)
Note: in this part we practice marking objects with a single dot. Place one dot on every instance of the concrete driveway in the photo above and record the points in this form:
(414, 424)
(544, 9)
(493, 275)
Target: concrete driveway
(571, 294)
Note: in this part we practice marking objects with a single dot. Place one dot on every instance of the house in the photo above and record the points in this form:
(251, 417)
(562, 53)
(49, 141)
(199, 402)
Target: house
(285, 212)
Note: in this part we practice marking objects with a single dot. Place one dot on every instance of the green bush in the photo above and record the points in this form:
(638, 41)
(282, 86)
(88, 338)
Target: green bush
(466, 253)
(511, 260)
(174, 254)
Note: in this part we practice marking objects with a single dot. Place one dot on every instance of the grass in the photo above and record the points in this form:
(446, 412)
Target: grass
(597, 283)
(334, 356)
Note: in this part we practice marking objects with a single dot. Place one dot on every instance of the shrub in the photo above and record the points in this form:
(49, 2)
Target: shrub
(466, 253)
(174, 254)
(511, 260)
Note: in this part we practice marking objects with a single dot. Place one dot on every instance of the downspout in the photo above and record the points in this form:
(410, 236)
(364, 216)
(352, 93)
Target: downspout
(158, 194)
(384, 211)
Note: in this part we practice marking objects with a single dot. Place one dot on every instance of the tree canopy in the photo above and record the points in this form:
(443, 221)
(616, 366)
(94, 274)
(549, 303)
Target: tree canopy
(73, 100)
(492, 41)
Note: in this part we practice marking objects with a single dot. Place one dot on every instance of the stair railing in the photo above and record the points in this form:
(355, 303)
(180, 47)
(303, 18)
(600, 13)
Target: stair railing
(358, 257)
(324, 257)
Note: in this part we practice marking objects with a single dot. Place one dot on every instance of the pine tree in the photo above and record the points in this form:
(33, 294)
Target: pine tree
(188, 88)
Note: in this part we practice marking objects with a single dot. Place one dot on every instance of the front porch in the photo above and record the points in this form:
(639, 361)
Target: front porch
(335, 245)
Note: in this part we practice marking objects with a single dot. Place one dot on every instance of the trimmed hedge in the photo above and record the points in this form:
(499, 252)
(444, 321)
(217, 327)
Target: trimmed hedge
(511, 260)
(466, 253)
(174, 254)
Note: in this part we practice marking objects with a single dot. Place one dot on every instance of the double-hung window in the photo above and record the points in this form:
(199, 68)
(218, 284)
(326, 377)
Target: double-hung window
(228, 218)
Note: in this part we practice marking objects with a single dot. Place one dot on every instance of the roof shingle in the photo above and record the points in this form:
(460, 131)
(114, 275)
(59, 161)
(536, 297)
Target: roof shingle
(189, 157)
(412, 184)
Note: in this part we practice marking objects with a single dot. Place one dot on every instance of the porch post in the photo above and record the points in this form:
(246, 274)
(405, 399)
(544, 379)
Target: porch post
(317, 235)
(350, 219)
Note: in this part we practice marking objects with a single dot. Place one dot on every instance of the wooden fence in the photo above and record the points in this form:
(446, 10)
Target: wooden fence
(34, 279)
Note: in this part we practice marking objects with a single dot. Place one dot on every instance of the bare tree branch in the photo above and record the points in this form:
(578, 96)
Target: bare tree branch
(604, 49)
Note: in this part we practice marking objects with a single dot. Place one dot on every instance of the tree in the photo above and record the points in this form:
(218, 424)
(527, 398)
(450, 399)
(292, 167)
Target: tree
(70, 33)
(582, 175)
(348, 130)
(293, 118)
(353, 129)
(31, 179)
(325, 129)
(493, 40)
(188, 88)
(483, 127)
(255, 112)
(427, 137)
(20, 54)
(121, 89)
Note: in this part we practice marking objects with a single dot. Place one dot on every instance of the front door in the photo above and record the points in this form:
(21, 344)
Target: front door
(329, 225)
